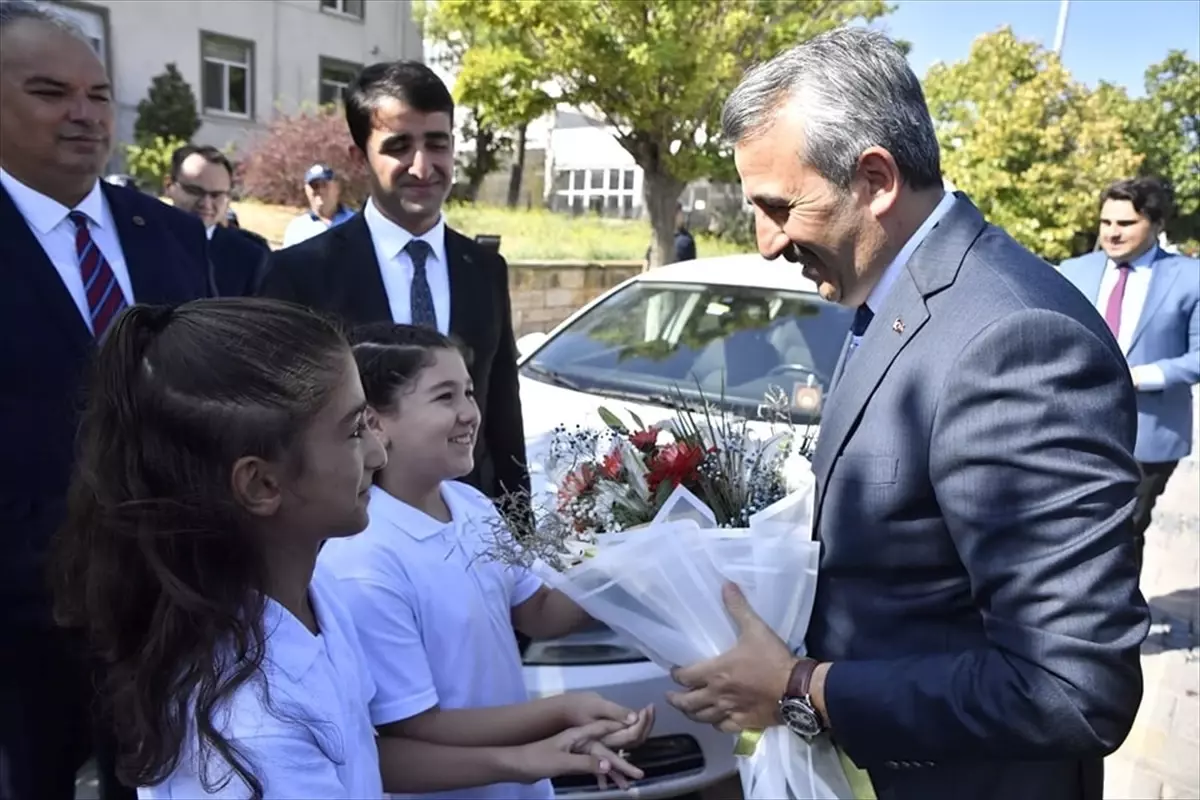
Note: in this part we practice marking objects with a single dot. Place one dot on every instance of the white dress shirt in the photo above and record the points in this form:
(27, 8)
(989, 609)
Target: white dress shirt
(396, 266)
(315, 737)
(1148, 377)
(878, 295)
(434, 614)
(47, 218)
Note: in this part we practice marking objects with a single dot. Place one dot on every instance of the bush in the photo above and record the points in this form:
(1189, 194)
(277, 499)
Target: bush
(150, 163)
(273, 163)
(168, 110)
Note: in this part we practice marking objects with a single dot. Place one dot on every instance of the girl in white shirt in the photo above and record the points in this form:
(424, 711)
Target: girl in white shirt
(434, 615)
(222, 443)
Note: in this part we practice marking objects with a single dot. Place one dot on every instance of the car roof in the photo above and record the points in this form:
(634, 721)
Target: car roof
(748, 269)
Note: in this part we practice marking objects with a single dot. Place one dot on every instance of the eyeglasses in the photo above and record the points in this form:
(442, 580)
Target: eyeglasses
(199, 192)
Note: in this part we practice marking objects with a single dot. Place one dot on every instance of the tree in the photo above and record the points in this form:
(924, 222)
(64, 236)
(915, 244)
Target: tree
(655, 71)
(1165, 127)
(497, 80)
(1031, 147)
(168, 111)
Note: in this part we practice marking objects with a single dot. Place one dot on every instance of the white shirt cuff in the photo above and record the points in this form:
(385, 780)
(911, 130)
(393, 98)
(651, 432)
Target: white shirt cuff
(1150, 378)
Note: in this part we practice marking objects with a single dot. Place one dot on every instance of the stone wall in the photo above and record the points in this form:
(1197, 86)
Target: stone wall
(544, 293)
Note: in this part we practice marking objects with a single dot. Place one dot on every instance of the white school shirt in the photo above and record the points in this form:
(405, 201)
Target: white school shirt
(320, 742)
(396, 267)
(434, 618)
(47, 218)
(1136, 288)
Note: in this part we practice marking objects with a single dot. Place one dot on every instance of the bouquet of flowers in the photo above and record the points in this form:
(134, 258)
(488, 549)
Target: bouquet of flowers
(649, 522)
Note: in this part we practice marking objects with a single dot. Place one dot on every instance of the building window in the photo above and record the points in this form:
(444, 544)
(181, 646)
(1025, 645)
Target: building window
(602, 191)
(228, 74)
(350, 8)
(336, 76)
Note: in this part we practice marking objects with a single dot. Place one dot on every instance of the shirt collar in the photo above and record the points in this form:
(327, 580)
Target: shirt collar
(209, 231)
(291, 647)
(878, 295)
(391, 239)
(43, 213)
(1141, 262)
(415, 523)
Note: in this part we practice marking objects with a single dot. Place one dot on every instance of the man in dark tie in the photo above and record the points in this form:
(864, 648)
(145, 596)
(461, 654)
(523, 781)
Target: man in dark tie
(398, 260)
(200, 183)
(977, 622)
(74, 252)
(1151, 302)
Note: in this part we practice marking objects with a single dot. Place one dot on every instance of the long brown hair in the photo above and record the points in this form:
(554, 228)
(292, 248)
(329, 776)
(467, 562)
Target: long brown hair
(156, 562)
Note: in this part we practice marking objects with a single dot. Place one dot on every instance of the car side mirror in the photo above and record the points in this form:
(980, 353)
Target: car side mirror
(530, 342)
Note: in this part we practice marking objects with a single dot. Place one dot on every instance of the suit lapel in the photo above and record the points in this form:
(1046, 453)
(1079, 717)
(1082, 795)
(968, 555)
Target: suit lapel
(901, 319)
(23, 254)
(358, 271)
(468, 290)
(931, 269)
(1092, 277)
(1162, 274)
(141, 248)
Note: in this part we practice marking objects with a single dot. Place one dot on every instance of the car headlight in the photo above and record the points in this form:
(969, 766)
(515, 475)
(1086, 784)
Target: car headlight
(579, 654)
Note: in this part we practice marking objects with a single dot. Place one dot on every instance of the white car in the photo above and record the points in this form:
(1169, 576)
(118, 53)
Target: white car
(740, 324)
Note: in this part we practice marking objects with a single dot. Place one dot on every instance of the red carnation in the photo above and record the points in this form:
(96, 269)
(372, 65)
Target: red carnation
(644, 440)
(676, 463)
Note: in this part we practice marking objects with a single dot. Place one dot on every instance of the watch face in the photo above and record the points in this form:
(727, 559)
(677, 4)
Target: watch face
(800, 718)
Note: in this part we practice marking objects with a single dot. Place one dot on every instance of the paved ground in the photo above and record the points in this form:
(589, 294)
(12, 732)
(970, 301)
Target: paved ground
(1161, 757)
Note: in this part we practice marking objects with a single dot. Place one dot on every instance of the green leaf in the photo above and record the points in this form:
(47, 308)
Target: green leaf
(637, 421)
(611, 420)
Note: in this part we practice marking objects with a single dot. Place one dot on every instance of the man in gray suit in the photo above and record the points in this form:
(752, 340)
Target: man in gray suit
(1151, 302)
(978, 620)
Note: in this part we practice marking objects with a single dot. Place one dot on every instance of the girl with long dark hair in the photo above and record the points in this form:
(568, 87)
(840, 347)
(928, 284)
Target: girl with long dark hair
(222, 443)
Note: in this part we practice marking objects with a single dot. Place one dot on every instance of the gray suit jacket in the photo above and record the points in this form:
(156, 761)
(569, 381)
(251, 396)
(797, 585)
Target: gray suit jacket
(975, 474)
(1168, 336)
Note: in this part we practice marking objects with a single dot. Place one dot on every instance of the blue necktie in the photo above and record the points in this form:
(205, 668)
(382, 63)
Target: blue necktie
(420, 296)
(862, 318)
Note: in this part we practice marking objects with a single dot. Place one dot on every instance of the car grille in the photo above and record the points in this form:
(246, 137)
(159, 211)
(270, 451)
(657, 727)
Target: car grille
(660, 758)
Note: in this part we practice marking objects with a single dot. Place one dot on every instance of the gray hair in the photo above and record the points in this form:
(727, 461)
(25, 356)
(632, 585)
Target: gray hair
(855, 90)
(13, 11)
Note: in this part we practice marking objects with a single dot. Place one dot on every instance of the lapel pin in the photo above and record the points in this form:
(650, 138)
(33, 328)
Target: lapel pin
(139, 221)
(898, 325)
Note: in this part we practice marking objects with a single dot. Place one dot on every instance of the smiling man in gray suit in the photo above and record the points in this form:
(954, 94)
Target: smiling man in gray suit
(977, 620)
(1151, 302)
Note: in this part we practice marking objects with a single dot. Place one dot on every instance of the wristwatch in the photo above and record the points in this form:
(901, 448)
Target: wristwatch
(796, 708)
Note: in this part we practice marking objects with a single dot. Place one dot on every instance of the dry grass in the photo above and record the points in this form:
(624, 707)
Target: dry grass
(525, 235)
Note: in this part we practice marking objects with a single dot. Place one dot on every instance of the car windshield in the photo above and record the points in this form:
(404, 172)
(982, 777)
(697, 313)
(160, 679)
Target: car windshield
(650, 341)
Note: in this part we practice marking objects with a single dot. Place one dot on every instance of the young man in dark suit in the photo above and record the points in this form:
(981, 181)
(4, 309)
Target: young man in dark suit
(74, 252)
(200, 184)
(399, 261)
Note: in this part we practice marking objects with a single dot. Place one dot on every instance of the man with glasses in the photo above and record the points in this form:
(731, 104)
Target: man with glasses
(200, 183)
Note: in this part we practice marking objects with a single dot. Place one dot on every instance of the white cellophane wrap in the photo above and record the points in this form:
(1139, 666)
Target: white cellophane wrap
(660, 586)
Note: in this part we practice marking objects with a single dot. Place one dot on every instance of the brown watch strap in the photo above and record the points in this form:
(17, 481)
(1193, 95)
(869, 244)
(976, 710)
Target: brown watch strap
(801, 677)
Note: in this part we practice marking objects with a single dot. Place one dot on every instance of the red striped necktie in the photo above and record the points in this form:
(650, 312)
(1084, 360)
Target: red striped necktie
(104, 295)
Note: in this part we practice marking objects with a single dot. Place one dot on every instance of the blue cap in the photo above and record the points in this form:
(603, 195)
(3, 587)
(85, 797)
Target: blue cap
(318, 172)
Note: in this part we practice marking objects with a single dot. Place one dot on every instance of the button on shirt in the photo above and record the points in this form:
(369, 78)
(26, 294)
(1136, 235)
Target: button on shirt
(396, 267)
(433, 615)
(47, 218)
(1150, 376)
(319, 740)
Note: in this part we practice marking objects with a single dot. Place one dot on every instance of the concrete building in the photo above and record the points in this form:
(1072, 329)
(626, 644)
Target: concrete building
(244, 59)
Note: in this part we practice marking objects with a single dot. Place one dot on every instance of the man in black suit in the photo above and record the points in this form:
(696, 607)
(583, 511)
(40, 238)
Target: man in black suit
(74, 252)
(399, 261)
(200, 183)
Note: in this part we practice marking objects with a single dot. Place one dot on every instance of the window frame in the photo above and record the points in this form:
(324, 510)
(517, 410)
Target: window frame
(339, 10)
(329, 62)
(249, 66)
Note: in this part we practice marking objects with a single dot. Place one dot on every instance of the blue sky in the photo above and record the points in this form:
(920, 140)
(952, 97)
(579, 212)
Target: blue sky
(1112, 40)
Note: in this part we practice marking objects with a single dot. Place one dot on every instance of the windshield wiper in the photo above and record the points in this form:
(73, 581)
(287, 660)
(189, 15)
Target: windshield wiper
(552, 377)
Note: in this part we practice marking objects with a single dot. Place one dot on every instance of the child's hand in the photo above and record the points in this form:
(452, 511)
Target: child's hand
(633, 735)
(578, 751)
(578, 709)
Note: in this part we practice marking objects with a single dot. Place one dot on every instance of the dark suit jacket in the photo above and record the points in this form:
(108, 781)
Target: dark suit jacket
(978, 591)
(44, 348)
(337, 272)
(239, 261)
